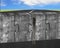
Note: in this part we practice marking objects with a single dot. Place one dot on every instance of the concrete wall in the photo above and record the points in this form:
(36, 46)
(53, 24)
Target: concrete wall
(19, 27)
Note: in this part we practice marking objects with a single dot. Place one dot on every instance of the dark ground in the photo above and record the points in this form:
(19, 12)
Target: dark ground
(38, 44)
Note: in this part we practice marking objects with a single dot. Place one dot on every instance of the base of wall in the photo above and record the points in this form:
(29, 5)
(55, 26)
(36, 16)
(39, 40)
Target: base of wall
(38, 44)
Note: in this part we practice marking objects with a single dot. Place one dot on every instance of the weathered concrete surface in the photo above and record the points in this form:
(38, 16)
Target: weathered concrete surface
(18, 27)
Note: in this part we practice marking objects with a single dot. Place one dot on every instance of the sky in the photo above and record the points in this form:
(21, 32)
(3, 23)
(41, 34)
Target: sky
(30, 4)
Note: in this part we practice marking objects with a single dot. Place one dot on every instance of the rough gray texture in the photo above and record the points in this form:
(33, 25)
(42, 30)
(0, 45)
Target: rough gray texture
(16, 27)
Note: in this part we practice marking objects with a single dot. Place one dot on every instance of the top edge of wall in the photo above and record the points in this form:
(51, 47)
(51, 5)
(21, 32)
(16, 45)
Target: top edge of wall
(29, 10)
